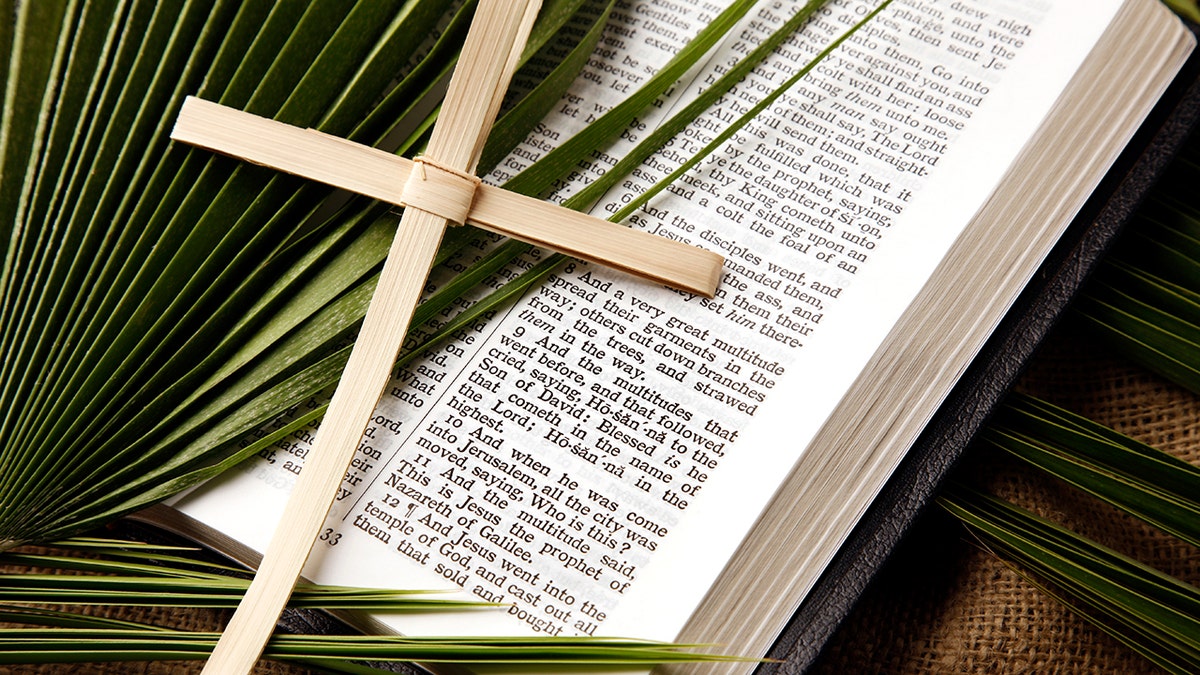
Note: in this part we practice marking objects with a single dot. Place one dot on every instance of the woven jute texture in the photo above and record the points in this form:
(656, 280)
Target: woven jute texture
(185, 619)
(942, 605)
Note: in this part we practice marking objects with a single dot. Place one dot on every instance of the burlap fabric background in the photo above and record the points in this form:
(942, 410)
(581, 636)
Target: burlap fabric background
(942, 605)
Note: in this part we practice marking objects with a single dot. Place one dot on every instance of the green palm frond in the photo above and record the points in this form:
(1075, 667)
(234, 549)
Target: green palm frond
(157, 304)
(1153, 613)
(1185, 8)
(1145, 301)
(113, 572)
(114, 382)
(227, 292)
(1136, 478)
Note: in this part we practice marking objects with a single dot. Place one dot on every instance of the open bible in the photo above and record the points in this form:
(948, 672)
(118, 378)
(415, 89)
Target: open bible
(607, 457)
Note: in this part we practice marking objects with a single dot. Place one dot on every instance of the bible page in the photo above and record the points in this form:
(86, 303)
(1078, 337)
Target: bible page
(591, 456)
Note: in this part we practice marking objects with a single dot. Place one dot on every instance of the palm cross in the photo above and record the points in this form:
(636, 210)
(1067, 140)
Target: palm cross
(437, 190)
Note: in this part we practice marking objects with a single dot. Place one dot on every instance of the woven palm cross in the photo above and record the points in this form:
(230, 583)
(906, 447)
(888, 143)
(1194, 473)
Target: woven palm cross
(437, 190)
